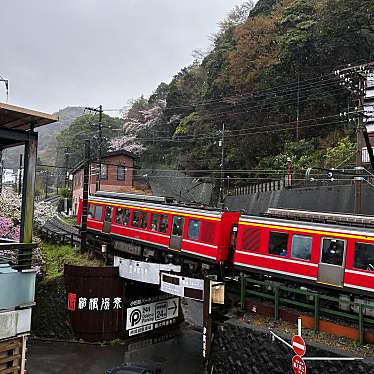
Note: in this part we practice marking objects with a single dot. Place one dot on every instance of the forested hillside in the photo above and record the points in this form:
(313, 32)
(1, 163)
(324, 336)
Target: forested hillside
(268, 77)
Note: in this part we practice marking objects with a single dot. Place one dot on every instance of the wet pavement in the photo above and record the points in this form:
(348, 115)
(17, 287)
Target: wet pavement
(180, 353)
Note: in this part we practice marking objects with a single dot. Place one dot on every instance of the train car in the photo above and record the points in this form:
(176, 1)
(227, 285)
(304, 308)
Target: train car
(323, 254)
(152, 228)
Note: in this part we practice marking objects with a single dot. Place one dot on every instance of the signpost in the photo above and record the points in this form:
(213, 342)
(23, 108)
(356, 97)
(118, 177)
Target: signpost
(298, 365)
(298, 345)
(147, 317)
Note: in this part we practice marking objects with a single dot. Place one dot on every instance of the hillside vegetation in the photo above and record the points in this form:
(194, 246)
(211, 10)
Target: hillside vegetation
(268, 65)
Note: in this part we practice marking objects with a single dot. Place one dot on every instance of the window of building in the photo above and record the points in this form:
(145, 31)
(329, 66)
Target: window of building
(364, 256)
(104, 172)
(121, 173)
(91, 211)
(98, 213)
(144, 220)
(194, 229)
(301, 247)
(119, 213)
(333, 251)
(278, 243)
(135, 218)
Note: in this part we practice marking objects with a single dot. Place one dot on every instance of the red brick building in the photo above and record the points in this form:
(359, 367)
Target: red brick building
(117, 170)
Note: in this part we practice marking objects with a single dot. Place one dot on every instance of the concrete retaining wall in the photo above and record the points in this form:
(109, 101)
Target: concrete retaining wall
(323, 199)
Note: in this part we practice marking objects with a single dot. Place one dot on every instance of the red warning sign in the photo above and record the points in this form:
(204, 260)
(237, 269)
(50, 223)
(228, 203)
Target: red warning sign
(298, 345)
(298, 365)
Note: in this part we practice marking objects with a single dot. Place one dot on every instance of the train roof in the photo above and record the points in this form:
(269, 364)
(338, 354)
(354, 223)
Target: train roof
(160, 206)
(305, 224)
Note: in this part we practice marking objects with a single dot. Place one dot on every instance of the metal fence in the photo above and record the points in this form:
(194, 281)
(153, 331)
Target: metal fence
(312, 303)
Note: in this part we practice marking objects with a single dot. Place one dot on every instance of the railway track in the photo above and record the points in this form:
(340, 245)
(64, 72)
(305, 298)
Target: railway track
(60, 232)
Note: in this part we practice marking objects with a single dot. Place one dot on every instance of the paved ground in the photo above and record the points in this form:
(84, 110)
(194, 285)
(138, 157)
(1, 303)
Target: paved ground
(181, 353)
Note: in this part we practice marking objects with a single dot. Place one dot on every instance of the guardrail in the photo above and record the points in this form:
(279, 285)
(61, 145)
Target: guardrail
(276, 293)
(17, 255)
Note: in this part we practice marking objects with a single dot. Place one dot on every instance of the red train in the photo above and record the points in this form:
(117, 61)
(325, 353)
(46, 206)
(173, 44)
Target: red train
(323, 254)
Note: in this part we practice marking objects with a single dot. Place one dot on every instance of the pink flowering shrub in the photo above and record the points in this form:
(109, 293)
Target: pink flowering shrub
(8, 229)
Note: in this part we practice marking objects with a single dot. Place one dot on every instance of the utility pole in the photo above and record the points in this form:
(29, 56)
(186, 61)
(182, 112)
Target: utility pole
(354, 79)
(222, 144)
(66, 162)
(86, 174)
(46, 184)
(20, 174)
(1, 171)
(298, 107)
(100, 137)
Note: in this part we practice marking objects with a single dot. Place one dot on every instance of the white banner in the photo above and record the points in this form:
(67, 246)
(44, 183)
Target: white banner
(141, 271)
(191, 288)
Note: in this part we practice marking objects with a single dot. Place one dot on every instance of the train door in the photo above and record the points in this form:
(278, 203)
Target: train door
(331, 265)
(108, 219)
(176, 236)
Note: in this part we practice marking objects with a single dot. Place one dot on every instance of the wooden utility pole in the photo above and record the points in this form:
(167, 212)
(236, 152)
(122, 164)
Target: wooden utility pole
(222, 182)
(100, 140)
(20, 173)
(86, 172)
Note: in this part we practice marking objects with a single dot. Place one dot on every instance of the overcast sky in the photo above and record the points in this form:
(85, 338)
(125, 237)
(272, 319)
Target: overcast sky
(91, 52)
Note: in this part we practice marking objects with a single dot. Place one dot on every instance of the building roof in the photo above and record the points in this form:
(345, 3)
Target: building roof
(119, 153)
(18, 118)
(16, 124)
(80, 164)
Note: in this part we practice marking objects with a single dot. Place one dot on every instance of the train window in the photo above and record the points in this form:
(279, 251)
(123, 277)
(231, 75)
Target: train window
(194, 229)
(155, 222)
(159, 222)
(301, 247)
(119, 212)
(332, 251)
(278, 243)
(144, 220)
(126, 217)
(135, 219)
(108, 214)
(208, 229)
(364, 256)
(98, 212)
(164, 223)
(251, 240)
(91, 211)
(178, 223)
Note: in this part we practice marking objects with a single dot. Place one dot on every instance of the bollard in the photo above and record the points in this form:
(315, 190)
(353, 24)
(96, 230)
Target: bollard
(316, 313)
(361, 324)
(242, 292)
(276, 302)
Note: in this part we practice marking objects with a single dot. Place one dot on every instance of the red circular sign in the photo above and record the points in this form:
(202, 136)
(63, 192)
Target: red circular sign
(298, 345)
(298, 365)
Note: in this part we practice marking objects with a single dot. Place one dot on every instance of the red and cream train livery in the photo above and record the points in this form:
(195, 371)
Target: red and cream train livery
(143, 227)
(334, 255)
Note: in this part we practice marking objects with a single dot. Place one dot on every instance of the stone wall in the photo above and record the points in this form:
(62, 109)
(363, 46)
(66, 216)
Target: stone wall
(240, 349)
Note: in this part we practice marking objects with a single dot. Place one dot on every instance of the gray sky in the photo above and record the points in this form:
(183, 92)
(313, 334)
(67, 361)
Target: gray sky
(91, 52)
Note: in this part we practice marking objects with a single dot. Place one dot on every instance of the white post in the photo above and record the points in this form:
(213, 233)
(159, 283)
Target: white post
(299, 326)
